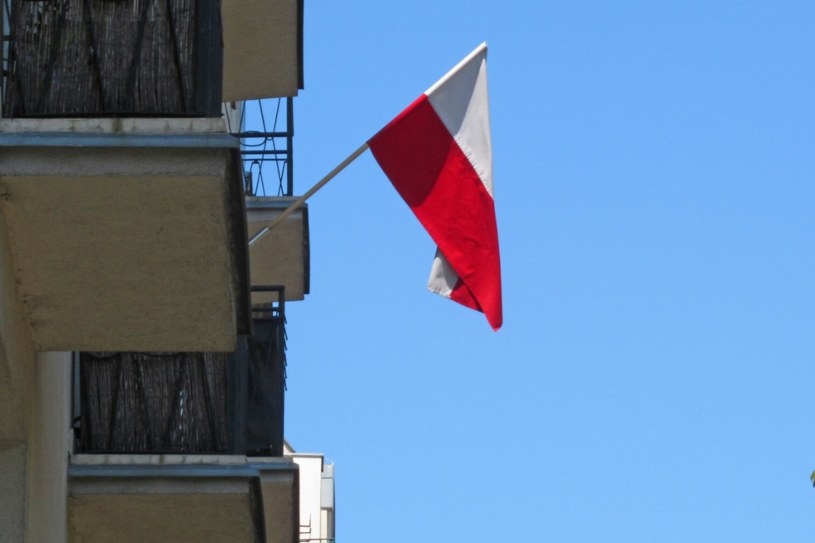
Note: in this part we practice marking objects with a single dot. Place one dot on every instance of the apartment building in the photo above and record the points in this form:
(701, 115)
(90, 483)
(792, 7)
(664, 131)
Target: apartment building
(142, 300)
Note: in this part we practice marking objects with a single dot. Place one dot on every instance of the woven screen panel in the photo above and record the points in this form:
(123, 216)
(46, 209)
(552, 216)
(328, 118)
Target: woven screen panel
(153, 402)
(102, 57)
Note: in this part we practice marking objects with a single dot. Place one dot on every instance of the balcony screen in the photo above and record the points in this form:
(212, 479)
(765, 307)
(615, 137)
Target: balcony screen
(153, 402)
(93, 57)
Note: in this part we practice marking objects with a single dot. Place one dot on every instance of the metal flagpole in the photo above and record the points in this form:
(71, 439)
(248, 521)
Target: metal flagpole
(309, 193)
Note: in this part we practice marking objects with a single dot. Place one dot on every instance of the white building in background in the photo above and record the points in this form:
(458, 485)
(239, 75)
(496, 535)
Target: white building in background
(316, 495)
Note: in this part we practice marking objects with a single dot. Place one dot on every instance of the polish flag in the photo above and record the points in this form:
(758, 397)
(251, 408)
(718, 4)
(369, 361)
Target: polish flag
(438, 155)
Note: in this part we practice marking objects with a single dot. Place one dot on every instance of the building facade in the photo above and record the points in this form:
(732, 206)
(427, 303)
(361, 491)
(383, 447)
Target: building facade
(142, 321)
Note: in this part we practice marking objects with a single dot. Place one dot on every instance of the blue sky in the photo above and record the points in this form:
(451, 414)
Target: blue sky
(654, 170)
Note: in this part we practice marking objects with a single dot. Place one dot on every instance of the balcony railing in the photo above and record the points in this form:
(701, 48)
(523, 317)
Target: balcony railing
(266, 129)
(187, 403)
(69, 58)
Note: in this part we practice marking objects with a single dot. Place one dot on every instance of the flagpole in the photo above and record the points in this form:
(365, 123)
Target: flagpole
(309, 193)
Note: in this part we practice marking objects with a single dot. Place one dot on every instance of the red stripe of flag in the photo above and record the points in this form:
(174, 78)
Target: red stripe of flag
(435, 178)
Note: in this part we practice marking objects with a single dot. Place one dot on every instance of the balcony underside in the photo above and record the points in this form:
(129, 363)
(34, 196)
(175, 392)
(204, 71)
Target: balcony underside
(281, 256)
(182, 499)
(127, 241)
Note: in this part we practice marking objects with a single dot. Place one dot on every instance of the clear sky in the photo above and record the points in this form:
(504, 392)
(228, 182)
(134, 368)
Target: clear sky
(654, 168)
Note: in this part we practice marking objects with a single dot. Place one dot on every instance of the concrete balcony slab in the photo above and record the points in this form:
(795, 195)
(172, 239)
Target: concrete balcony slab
(263, 48)
(123, 240)
(182, 498)
(281, 255)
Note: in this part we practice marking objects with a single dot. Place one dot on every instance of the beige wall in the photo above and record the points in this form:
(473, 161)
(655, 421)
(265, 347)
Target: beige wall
(49, 445)
(17, 362)
(34, 422)
(16, 350)
(12, 487)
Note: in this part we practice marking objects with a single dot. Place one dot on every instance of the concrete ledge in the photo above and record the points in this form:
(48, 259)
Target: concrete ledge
(265, 462)
(118, 140)
(199, 517)
(127, 242)
(195, 498)
(128, 125)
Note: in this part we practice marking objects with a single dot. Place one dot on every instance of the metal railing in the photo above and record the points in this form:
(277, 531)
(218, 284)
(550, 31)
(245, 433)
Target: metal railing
(187, 403)
(266, 130)
(260, 384)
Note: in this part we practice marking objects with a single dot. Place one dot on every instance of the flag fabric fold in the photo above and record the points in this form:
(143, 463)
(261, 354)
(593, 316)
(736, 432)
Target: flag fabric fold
(437, 153)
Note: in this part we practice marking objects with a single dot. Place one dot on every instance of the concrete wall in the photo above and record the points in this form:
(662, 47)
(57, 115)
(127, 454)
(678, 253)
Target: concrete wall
(33, 472)
(16, 349)
(49, 445)
(17, 372)
(34, 422)
(12, 488)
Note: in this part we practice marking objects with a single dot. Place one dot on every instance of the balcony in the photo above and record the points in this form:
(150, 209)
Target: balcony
(184, 499)
(119, 183)
(126, 234)
(265, 129)
(185, 446)
(122, 196)
(263, 48)
(279, 255)
(188, 402)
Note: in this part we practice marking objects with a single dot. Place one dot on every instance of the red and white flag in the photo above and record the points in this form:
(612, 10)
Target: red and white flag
(438, 155)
